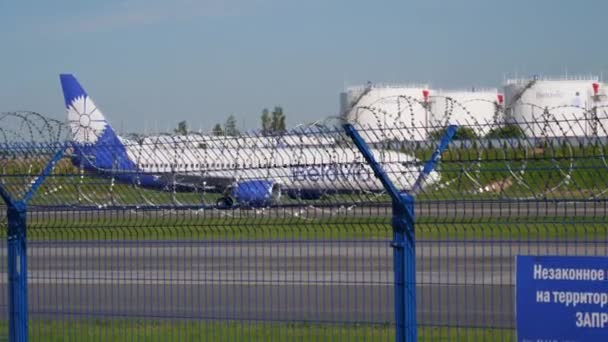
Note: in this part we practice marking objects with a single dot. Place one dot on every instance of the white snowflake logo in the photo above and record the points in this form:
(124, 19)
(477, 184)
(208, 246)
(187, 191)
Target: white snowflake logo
(86, 121)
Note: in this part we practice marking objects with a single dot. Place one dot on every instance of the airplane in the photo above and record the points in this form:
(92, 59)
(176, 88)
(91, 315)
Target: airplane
(246, 176)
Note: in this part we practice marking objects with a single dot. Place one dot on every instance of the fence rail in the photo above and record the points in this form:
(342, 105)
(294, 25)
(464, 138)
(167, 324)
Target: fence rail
(290, 236)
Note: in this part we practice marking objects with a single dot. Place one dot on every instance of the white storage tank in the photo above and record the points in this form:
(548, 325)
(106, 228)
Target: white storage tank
(555, 107)
(598, 110)
(394, 111)
(415, 111)
(480, 109)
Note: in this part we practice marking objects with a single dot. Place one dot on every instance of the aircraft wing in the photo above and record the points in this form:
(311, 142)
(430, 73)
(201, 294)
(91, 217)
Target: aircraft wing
(199, 181)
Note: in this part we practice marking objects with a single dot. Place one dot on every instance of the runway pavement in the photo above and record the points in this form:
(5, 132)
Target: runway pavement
(329, 281)
(458, 283)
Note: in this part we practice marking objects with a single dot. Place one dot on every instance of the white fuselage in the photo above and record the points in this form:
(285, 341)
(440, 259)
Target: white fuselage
(319, 167)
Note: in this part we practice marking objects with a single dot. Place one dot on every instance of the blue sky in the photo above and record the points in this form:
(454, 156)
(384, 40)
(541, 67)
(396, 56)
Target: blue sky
(150, 63)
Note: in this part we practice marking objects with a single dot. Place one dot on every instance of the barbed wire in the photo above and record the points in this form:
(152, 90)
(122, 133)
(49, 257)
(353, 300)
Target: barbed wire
(574, 126)
(559, 153)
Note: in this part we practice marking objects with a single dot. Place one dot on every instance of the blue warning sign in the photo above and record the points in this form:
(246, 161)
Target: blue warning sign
(562, 299)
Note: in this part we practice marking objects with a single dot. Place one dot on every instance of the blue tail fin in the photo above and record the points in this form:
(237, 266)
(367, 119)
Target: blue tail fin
(96, 145)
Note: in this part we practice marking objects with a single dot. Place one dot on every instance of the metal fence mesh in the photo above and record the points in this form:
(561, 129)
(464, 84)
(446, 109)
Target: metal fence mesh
(128, 254)
(122, 274)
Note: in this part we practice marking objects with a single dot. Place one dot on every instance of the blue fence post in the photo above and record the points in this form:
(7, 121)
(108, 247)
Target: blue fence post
(404, 263)
(17, 271)
(16, 213)
(404, 252)
(404, 242)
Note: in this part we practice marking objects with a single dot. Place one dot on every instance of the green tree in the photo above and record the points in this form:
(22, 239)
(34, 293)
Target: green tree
(217, 130)
(230, 126)
(182, 128)
(462, 133)
(506, 131)
(266, 121)
(278, 120)
(282, 124)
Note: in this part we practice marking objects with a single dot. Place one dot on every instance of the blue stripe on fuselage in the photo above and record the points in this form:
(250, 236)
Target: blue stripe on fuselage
(108, 158)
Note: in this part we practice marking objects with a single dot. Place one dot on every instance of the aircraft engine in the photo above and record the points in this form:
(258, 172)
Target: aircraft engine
(256, 193)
